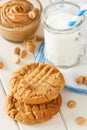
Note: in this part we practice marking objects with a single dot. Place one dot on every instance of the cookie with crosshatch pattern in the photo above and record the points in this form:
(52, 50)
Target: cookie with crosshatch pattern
(36, 83)
(31, 114)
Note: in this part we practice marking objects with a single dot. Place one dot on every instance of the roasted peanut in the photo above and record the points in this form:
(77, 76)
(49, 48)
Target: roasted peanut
(17, 50)
(79, 79)
(23, 53)
(71, 104)
(80, 120)
(16, 59)
(38, 38)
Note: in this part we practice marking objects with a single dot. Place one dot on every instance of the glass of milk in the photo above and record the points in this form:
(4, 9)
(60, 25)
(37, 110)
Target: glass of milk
(63, 44)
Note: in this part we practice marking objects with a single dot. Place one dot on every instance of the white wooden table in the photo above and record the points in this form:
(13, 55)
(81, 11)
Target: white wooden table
(64, 120)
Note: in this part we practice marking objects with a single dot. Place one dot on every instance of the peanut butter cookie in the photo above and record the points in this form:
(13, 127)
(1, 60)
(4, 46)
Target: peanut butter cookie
(31, 114)
(36, 83)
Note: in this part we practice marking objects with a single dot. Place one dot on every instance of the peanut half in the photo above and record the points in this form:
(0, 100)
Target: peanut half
(38, 38)
(30, 46)
(17, 50)
(80, 120)
(23, 53)
(16, 59)
(71, 104)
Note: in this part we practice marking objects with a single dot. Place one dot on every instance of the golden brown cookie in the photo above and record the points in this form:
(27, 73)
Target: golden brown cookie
(31, 114)
(44, 83)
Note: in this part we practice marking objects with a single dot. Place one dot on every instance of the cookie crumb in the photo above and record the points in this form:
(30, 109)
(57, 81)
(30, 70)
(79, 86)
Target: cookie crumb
(38, 38)
(17, 51)
(1, 64)
(79, 79)
(23, 53)
(71, 104)
(80, 120)
(16, 59)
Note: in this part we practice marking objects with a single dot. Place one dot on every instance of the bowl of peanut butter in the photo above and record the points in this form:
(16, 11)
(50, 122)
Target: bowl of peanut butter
(19, 19)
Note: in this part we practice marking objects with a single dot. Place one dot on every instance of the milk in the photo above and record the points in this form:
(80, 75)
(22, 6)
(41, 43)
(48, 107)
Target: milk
(62, 49)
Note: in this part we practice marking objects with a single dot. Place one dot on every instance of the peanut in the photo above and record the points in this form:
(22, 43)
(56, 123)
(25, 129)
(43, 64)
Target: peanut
(16, 59)
(29, 45)
(79, 79)
(80, 120)
(23, 53)
(85, 80)
(38, 38)
(17, 50)
(32, 14)
(71, 104)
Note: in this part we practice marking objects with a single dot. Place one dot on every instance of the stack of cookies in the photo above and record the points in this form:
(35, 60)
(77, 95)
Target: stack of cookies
(34, 93)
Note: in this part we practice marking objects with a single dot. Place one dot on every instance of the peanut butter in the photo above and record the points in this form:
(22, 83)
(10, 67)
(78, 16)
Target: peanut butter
(15, 13)
(19, 20)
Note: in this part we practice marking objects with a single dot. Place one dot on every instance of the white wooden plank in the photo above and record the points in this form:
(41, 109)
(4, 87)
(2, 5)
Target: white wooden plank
(5, 122)
(80, 110)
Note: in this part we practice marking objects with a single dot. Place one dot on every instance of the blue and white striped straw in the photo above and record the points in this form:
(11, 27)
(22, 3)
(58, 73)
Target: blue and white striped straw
(81, 12)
